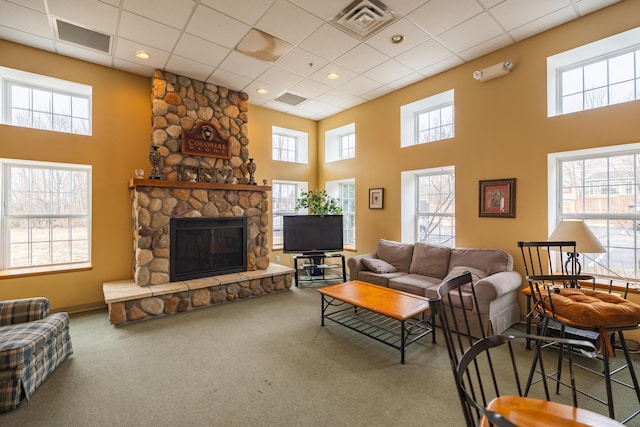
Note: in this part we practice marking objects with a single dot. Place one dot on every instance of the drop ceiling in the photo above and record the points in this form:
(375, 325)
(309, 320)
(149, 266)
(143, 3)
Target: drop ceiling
(196, 38)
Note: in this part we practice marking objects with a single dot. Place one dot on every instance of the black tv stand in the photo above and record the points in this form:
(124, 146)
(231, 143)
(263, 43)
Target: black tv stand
(319, 267)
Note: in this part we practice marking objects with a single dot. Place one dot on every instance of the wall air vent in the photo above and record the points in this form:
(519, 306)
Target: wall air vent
(289, 98)
(70, 33)
(364, 18)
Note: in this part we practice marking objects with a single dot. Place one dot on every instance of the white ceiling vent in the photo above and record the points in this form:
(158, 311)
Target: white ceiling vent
(363, 18)
(290, 98)
(84, 37)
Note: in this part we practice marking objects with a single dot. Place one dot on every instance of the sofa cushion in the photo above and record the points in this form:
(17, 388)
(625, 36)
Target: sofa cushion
(378, 265)
(476, 274)
(430, 260)
(490, 261)
(381, 279)
(395, 253)
(416, 284)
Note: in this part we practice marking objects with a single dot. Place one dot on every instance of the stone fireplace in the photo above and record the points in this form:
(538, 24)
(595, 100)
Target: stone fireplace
(182, 192)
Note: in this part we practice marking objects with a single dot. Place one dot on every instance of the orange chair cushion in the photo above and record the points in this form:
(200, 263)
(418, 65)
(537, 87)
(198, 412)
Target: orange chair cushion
(594, 309)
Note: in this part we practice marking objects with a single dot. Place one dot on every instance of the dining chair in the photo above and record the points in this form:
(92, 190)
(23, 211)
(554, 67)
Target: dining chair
(453, 309)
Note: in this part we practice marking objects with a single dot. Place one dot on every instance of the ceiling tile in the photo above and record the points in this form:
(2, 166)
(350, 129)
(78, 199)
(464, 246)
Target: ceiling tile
(546, 22)
(32, 4)
(329, 42)
(186, 67)
(27, 39)
(125, 50)
(321, 75)
(359, 86)
(339, 98)
(251, 89)
(377, 93)
(24, 19)
(588, 6)
(247, 11)
(244, 65)
(301, 62)
(403, 7)
(388, 72)
(131, 67)
(211, 25)
(174, 13)
(412, 37)
(278, 106)
(90, 14)
(288, 22)
(438, 16)
(486, 47)
(280, 77)
(444, 65)
(325, 10)
(314, 106)
(83, 54)
(361, 58)
(134, 27)
(200, 50)
(406, 81)
(515, 13)
(423, 55)
(228, 79)
(470, 33)
(309, 88)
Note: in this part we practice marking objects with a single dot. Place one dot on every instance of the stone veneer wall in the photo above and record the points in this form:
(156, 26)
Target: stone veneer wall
(154, 206)
(178, 103)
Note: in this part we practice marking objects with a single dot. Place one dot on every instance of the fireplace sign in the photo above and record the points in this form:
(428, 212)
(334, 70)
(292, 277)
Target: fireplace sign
(204, 140)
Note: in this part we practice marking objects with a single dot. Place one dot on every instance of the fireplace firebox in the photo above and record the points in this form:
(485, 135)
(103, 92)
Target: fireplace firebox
(202, 247)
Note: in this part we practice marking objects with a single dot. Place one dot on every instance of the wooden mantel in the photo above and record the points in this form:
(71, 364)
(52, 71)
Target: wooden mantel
(136, 182)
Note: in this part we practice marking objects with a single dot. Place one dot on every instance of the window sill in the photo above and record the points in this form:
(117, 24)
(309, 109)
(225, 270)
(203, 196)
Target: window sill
(38, 271)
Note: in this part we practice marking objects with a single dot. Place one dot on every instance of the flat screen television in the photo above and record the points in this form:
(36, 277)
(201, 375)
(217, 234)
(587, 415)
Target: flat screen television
(312, 234)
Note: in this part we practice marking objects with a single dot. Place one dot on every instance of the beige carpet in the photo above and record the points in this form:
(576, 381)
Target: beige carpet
(261, 362)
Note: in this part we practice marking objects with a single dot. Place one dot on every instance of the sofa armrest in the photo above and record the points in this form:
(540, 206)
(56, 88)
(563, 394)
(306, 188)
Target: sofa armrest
(23, 310)
(496, 285)
(355, 265)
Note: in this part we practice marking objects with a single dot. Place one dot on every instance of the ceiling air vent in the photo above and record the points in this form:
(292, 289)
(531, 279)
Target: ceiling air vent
(363, 18)
(291, 99)
(82, 36)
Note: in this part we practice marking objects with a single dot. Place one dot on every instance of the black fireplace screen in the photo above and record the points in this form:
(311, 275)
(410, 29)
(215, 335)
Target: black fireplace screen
(202, 247)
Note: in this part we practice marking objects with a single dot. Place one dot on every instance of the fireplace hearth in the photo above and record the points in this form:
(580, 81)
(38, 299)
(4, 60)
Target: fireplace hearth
(203, 247)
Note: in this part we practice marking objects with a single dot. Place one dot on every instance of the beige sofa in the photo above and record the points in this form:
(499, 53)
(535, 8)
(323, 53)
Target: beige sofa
(420, 268)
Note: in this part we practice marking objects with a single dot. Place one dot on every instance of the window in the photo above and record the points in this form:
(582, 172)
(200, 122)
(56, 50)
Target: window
(46, 215)
(41, 102)
(284, 195)
(289, 145)
(428, 206)
(601, 186)
(340, 143)
(345, 190)
(427, 120)
(595, 75)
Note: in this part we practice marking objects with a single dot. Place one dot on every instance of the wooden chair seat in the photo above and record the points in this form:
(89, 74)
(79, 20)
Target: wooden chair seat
(527, 411)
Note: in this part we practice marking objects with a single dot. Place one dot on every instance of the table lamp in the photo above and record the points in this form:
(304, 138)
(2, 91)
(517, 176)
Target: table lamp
(586, 241)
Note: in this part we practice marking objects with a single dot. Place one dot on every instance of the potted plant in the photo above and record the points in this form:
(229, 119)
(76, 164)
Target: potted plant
(318, 202)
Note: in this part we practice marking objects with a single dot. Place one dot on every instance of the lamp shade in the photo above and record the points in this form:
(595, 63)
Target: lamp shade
(586, 241)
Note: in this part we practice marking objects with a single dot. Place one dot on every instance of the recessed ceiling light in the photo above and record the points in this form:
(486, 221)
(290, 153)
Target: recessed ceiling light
(142, 54)
(333, 76)
(397, 38)
(262, 90)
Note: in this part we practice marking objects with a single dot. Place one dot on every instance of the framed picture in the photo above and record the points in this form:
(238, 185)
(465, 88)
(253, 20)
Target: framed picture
(498, 198)
(376, 198)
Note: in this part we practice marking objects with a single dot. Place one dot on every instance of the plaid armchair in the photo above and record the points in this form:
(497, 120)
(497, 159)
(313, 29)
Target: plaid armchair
(32, 345)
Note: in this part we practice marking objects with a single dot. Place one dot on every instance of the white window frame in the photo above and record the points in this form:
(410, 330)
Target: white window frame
(409, 117)
(336, 189)
(333, 142)
(409, 209)
(276, 233)
(581, 56)
(54, 244)
(596, 264)
(10, 78)
(301, 143)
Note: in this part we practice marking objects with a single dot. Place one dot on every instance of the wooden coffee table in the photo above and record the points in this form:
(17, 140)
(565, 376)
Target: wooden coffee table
(392, 317)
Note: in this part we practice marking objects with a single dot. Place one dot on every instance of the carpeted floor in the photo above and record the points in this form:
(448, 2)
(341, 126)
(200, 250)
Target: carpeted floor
(260, 362)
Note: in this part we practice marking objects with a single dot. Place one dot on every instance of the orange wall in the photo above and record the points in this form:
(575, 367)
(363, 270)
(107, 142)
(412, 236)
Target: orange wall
(501, 132)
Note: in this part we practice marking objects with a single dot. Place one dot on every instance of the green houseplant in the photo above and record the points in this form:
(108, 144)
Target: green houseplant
(318, 202)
